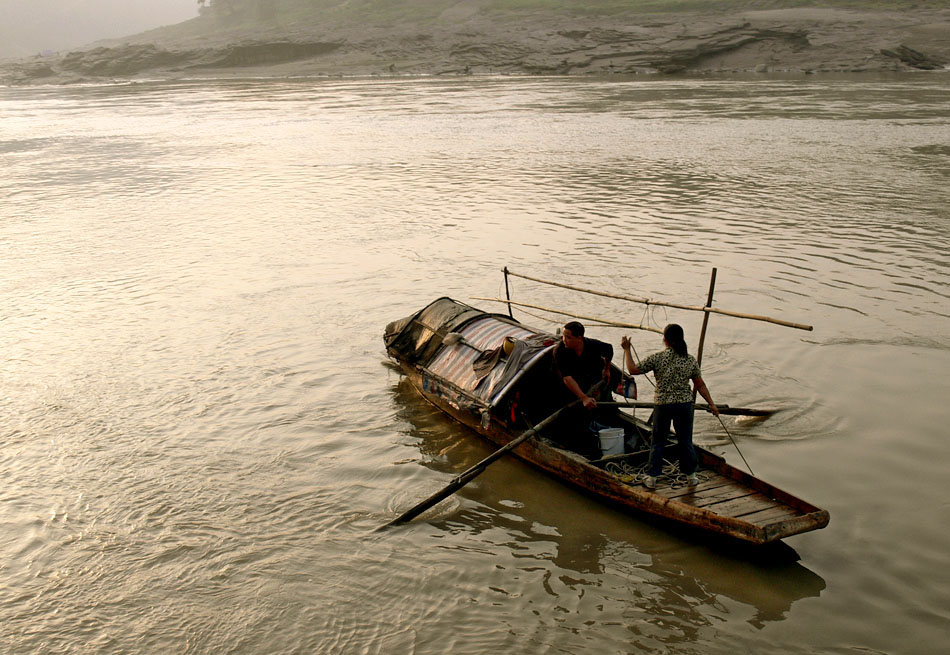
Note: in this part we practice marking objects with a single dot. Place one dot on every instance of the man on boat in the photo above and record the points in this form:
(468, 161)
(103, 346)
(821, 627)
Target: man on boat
(581, 363)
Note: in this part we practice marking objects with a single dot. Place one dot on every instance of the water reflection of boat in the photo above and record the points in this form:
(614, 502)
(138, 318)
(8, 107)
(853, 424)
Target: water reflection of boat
(594, 541)
(471, 378)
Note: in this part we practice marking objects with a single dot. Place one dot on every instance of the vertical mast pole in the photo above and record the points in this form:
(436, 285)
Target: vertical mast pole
(508, 294)
(702, 334)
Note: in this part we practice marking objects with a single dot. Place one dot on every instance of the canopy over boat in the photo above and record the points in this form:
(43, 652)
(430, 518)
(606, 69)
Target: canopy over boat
(472, 360)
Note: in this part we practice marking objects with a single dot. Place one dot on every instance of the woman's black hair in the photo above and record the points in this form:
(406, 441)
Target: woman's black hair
(673, 334)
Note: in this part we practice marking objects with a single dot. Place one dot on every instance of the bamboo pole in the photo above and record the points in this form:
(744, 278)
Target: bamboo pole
(659, 303)
(508, 294)
(702, 333)
(603, 321)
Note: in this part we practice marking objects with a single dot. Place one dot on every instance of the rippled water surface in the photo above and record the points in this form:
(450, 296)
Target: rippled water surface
(199, 431)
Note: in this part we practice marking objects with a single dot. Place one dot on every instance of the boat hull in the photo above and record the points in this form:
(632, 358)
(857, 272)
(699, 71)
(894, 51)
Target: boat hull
(759, 513)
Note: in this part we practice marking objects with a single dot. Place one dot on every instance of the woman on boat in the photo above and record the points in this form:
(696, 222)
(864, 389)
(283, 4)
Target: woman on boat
(673, 369)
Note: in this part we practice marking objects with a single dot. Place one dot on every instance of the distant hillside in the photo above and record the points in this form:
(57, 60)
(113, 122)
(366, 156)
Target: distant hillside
(438, 37)
(241, 17)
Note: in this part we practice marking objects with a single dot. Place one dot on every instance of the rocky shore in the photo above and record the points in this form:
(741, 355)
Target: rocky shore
(471, 41)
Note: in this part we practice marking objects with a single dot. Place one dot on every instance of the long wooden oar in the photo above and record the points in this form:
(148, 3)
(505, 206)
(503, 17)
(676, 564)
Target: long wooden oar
(475, 471)
(723, 409)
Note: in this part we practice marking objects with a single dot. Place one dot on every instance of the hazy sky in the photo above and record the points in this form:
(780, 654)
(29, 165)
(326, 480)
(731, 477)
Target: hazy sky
(28, 27)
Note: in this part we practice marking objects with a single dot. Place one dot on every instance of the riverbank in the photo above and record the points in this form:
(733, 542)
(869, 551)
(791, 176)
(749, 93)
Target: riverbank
(467, 39)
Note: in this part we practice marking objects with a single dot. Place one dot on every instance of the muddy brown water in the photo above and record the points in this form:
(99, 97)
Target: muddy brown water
(199, 431)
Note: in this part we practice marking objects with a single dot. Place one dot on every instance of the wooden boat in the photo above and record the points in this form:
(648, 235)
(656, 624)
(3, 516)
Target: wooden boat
(454, 355)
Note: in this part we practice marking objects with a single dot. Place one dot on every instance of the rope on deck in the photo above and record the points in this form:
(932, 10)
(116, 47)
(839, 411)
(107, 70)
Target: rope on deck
(634, 475)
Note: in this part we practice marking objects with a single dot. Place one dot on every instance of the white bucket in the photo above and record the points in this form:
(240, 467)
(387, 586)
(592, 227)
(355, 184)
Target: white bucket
(611, 441)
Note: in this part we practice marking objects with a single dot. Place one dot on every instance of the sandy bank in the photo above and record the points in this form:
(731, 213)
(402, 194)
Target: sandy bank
(471, 41)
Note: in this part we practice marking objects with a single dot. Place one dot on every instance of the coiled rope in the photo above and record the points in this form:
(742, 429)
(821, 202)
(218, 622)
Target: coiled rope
(634, 475)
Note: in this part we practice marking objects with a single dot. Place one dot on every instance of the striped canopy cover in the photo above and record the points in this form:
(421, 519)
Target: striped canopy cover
(454, 363)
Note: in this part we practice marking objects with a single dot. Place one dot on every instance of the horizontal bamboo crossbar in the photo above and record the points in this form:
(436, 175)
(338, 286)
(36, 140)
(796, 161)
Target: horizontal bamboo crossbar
(603, 321)
(659, 303)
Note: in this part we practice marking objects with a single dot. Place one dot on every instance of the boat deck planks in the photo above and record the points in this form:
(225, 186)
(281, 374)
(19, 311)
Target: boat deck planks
(727, 497)
(710, 485)
(745, 505)
(770, 515)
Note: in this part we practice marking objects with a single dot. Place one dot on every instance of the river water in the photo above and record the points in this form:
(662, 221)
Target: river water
(199, 430)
